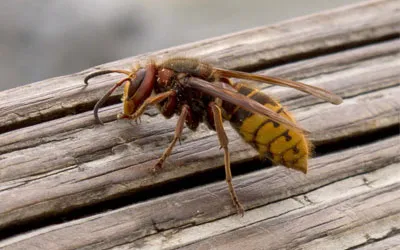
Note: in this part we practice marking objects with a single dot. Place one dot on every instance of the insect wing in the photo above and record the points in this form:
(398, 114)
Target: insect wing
(239, 100)
(312, 90)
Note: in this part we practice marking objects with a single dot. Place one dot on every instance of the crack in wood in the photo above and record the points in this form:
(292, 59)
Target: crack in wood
(369, 239)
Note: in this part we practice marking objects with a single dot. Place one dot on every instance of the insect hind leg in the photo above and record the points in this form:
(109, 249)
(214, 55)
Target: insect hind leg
(223, 140)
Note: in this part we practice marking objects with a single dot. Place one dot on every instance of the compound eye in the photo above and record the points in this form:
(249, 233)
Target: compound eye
(134, 85)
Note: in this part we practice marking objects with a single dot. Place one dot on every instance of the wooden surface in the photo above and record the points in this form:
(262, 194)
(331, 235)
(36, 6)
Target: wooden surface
(56, 163)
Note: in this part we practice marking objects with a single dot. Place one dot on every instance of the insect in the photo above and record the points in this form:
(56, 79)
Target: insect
(198, 92)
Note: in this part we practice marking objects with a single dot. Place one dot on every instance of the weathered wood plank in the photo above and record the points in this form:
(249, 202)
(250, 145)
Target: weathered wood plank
(333, 30)
(345, 196)
(88, 164)
(379, 242)
(53, 167)
(349, 219)
(309, 70)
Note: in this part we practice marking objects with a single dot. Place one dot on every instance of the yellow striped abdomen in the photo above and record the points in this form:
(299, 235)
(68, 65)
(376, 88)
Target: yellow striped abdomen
(273, 140)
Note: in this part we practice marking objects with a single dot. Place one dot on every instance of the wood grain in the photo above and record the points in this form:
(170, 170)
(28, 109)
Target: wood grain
(54, 160)
(89, 163)
(281, 43)
(356, 189)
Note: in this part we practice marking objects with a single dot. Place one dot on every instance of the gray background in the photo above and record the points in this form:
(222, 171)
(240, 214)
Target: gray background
(42, 38)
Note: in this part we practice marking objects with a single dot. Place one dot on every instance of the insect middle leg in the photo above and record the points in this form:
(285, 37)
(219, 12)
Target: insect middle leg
(223, 140)
(178, 132)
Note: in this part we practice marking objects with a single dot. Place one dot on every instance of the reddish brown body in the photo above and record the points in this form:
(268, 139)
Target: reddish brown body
(197, 101)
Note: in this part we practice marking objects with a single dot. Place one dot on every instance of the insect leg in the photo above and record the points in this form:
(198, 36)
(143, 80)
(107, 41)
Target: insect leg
(223, 140)
(149, 101)
(100, 103)
(178, 132)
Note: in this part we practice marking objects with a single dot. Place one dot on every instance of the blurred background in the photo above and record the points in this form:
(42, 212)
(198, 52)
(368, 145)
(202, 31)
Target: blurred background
(42, 39)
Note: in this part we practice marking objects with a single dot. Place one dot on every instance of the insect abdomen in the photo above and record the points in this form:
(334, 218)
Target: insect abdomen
(275, 141)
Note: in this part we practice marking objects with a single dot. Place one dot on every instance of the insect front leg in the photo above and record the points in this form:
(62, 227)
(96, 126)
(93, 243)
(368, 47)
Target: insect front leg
(178, 132)
(223, 140)
(149, 101)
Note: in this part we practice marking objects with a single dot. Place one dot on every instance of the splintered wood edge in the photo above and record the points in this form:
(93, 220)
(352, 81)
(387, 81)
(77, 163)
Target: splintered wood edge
(95, 163)
(349, 26)
(307, 211)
